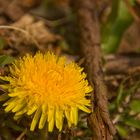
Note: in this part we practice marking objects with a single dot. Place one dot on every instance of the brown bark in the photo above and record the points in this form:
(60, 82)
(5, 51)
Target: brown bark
(99, 121)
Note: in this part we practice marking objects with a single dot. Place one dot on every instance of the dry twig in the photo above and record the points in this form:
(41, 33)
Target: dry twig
(99, 120)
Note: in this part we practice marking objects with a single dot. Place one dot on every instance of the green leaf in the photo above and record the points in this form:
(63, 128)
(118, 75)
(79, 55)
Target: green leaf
(123, 132)
(120, 94)
(4, 60)
(114, 30)
(123, 93)
(134, 88)
(135, 106)
(13, 125)
(132, 122)
(112, 106)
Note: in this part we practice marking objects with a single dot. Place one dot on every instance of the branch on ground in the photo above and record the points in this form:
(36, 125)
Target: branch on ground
(99, 120)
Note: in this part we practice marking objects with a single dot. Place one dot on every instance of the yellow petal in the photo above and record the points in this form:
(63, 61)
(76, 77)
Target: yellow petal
(35, 119)
(50, 118)
(5, 78)
(19, 106)
(74, 115)
(85, 102)
(43, 117)
(9, 101)
(16, 117)
(13, 94)
(61, 61)
(10, 106)
(67, 114)
(59, 118)
(32, 110)
(69, 123)
(88, 89)
(71, 116)
(6, 86)
(21, 112)
(51, 125)
(83, 108)
(50, 113)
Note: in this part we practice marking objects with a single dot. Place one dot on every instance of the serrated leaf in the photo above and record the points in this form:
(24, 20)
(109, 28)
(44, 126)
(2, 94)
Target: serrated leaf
(135, 106)
(123, 132)
(4, 60)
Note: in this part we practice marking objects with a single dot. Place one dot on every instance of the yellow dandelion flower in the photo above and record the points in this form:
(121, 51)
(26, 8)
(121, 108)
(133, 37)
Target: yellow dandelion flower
(47, 88)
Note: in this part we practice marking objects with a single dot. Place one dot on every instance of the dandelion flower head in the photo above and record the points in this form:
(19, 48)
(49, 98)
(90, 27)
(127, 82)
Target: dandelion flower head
(48, 88)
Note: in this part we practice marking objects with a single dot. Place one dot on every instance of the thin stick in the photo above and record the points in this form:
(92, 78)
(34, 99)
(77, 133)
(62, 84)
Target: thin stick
(22, 134)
